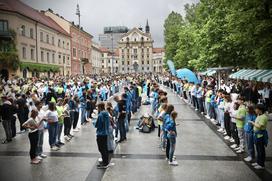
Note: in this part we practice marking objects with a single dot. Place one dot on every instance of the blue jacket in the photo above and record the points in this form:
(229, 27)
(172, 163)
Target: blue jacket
(249, 127)
(102, 124)
(171, 126)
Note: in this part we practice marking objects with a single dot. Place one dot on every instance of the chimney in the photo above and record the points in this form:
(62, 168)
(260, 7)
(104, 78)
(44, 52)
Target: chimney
(50, 10)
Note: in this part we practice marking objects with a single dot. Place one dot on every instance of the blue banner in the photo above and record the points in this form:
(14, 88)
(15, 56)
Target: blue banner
(171, 66)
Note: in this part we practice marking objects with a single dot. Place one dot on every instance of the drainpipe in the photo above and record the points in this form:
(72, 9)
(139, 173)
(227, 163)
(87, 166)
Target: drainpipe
(36, 28)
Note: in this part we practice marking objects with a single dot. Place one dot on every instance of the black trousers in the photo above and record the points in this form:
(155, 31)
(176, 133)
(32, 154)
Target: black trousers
(67, 126)
(103, 148)
(13, 126)
(260, 151)
(167, 148)
(33, 139)
(159, 131)
(227, 123)
(234, 133)
(75, 119)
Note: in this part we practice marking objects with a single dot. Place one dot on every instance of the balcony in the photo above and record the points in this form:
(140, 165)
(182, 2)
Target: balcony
(6, 35)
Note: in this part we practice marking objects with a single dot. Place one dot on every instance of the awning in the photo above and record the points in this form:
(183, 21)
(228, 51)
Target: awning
(253, 74)
(236, 74)
(208, 72)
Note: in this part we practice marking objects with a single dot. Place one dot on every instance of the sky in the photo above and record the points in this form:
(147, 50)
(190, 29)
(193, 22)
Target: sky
(96, 14)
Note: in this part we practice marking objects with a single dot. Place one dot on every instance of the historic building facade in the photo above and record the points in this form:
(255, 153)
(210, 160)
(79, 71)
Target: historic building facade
(43, 47)
(96, 58)
(158, 59)
(135, 51)
(81, 43)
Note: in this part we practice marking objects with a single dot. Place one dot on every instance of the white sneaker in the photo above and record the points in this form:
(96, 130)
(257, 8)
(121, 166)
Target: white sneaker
(237, 148)
(226, 138)
(202, 113)
(258, 167)
(76, 130)
(54, 148)
(39, 158)
(240, 151)
(220, 130)
(233, 146)
(208, 117)
(248, 159)
(232, 140)
(43, 155)
(173, 163)
(196, 109)
(254, 164)
(212, 120)
(224, 133)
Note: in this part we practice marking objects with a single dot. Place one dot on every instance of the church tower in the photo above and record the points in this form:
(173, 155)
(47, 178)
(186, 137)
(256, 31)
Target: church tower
(147, 28)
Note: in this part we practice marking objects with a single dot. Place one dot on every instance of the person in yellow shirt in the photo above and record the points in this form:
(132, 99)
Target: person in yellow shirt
(260, 135)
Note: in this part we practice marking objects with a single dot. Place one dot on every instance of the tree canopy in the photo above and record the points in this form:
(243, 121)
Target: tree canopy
(221, 33)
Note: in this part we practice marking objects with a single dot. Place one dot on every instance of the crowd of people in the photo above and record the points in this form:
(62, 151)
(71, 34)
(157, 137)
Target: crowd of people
(60, 105)
(240, 109)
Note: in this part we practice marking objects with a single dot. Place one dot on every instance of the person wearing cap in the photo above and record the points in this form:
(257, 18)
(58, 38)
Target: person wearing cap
(260, 135)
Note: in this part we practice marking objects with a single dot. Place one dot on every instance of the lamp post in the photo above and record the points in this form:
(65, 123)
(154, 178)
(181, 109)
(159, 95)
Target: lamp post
(78, 14)
(112, 53)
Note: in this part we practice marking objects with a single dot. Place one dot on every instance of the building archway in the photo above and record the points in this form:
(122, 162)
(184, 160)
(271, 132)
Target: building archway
(4, 74)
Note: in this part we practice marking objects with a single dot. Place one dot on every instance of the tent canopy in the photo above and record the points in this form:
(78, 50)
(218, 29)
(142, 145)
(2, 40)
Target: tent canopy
(208, 72)
(187, 74)
(253, 74)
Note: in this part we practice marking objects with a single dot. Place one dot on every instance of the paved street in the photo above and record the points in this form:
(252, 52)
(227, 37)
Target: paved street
(201, 152)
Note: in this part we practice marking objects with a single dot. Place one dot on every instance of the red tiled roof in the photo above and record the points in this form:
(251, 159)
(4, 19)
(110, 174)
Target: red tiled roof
(158, 50)
(17, 6)
(104, 50)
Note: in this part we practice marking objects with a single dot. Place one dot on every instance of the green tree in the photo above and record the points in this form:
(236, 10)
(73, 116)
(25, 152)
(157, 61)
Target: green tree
(171, 29)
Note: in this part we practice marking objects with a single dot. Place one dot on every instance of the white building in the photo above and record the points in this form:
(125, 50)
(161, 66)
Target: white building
(96, 58)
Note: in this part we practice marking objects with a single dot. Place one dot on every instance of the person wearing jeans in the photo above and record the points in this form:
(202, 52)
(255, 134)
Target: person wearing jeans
(171, 137)
(102, 131)
(52, 118)
(248, 128)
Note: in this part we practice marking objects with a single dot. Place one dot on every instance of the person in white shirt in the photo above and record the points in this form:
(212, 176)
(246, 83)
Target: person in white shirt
(32, 124)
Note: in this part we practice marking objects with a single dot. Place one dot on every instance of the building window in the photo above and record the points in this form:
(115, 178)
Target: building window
(59, 43)
(142, 68)
(63, 59)
(128, 62)
(128, 56)
(31, 33)
(142, 56)
(116, 61)
(68, 62)
(135, 51)
(109, 61)
(147, 68)
(63, 44)
(53, 40)
(147, 62)
(23, 30)
(32, 54)
(142, 62)
(53, 57)
(3, 25)
(41, 36)
(47, 57)
(74, 52)
(24, 52)
(123, 56)
(47, 38)
(68, 47)
(42, 56)
(123, 63)
(102, 60)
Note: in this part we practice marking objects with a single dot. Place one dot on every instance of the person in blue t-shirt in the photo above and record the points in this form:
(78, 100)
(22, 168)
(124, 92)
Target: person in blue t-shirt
(102, 131)
(171, 136)
(249, 134)
(166, 119)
